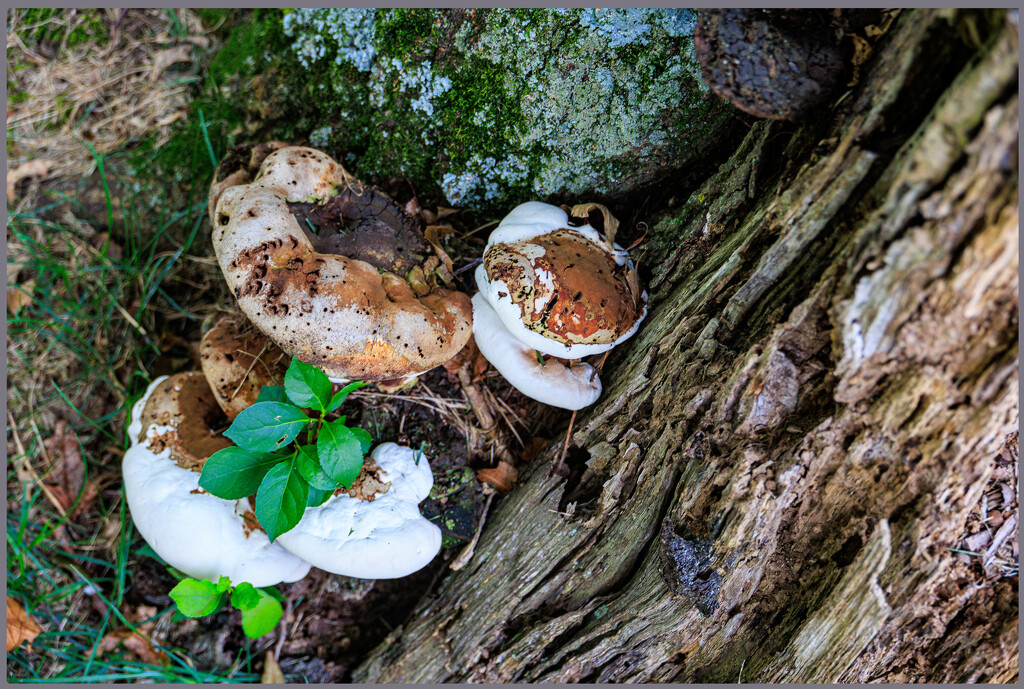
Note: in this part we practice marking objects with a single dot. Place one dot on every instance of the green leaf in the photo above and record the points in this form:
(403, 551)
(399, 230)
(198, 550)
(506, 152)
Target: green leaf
(281, 499)
(245, 596)
(263, 617)
(340, 451)
(364, 438)
(318, 497)
(234, 472)
(272, 393)
(307, 386)
(223, 584)
(340, 395)
(308, 463)
(267, 426)
(196, 597)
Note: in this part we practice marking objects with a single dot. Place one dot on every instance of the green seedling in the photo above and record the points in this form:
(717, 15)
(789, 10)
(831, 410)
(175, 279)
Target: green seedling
(289, 459)
(261, 607)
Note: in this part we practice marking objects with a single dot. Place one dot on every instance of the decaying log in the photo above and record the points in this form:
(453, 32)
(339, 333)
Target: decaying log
(775, 480)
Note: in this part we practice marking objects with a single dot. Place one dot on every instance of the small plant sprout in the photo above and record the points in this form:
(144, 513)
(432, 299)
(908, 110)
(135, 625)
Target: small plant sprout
(173, 432)
(261, 607)
(289, 459)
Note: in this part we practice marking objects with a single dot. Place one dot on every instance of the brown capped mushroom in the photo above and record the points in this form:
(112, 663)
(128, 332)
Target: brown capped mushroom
(183, 405)
(564, 291)
(339, 313)
(238, 360)
(173, 430)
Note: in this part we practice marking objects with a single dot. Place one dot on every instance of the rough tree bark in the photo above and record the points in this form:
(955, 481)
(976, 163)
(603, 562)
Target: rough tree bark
(787, 452)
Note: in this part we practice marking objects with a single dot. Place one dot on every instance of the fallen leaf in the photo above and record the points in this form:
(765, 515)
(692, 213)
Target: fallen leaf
(165, 58)
(33, 168)
(20, 627)
(272, 673)
(66, 477)
(435, 234)
(102, 240)
(502, 477)
(135, 641)
(470, 354)
(861, 54)
(611, 225)
(536, 444)
(20, 296)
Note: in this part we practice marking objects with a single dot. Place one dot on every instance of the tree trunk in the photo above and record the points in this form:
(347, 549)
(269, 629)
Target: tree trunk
(788, 453)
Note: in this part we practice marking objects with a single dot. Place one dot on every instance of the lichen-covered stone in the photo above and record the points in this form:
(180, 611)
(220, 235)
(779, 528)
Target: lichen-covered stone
(493, 106)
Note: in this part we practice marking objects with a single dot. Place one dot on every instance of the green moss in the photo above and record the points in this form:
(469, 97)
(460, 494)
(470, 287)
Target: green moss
(52, 26)
(513, 104)
(405, 33)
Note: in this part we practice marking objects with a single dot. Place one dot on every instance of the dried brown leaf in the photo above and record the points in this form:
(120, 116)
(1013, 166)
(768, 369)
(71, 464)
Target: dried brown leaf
(33, 168)
(611, 225)
(502, 477)
(135, 641)
(20, 296)
(536, 444)
(165, 58)
(435, 234)
(861, 53)
(272, 673)
(20, 626)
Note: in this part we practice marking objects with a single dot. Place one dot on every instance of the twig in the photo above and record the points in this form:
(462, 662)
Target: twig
(572, 420)
(565, 447)
(467, 553)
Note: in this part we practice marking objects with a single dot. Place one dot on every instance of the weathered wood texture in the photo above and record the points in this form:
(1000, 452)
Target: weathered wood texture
(789, 448)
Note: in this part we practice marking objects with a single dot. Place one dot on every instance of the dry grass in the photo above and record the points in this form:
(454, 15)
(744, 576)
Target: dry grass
(137, 85)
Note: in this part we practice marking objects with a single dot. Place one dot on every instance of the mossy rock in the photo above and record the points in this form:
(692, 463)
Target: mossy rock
(478, 108)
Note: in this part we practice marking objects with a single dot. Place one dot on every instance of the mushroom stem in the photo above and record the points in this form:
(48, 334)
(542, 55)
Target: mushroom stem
(565, 446)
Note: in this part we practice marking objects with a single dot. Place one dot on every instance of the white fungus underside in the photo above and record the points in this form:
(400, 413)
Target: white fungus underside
(551, 382)
(383, 539)
(193, 531)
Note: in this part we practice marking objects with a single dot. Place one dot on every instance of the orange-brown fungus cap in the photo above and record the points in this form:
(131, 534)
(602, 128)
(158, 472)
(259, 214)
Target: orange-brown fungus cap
(568, 288)
(188, 418)
(238, 361)
(337, 313)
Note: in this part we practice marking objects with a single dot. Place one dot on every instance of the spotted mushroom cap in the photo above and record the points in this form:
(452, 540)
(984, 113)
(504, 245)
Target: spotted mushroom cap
(559, 289)
(551, 382)
(193, 531)
(338, 313)
(383, 538)
(238, 361)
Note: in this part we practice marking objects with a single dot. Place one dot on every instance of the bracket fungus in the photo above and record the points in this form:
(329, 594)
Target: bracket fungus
(563, 291)
(238, 361)
(380, 535)
(354, 316)
(172, 434)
